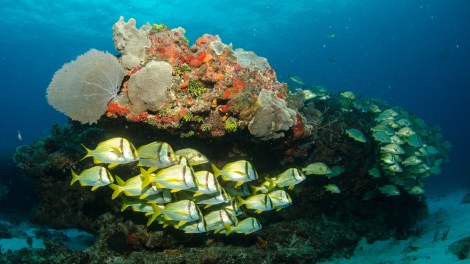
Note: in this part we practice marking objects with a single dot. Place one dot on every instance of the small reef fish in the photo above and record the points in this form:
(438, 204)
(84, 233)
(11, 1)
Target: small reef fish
(20, 137)
(280, 199)
(242, 190)
(211, 199)
(289, 177)
(206, 183)
(162, 196)
(194, 157)
(396, 140)
(416, 190)
(239, 171)
(296, 79)
(317, 168)
(113, 151)
(411, 160)
(414, 141)
(132, 187)
(394, 168)
(216, 220)
(348, 95)
(389, 190)
(176, 178)
(356, 135)
(157, 155)
(231, 207)
(184, 211)
(405, 132)
(392, 149)
(381, 136)
(137, 205)
(96, 176)
(259, 203)
(332, 188)
(247, 226)
(374, 172)
(194, 227)
(335, 171)
(331, 35)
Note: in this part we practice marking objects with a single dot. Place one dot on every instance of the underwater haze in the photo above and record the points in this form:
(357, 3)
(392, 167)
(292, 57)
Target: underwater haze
(412, 54)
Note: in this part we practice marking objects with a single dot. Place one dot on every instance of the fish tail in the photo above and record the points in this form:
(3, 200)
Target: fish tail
(89, 152)
(254, 189)
(74, 178)
(216, 170)
(117, 190)
(229, 229)
(240, 201)
(272, 184)
(147, 178)
(156, 212)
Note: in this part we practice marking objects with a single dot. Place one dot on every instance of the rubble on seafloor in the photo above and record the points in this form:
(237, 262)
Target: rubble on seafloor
(229, 105)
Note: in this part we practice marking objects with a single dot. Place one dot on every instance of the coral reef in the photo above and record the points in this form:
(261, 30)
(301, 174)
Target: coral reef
(229, 105)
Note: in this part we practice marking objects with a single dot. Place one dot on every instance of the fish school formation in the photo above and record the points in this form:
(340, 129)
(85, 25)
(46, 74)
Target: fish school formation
(170, 191)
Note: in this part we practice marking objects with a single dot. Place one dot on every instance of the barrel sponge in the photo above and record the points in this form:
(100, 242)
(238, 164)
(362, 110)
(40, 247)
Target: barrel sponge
(131, 42)
(272, 117)
(82, 88)
(147, 87)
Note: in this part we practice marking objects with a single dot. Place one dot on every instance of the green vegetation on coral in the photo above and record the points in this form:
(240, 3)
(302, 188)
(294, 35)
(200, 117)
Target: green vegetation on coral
(157, 28)
(231, 124)
(182, 69)
(187, 134)
(206, 127)
(195, 88)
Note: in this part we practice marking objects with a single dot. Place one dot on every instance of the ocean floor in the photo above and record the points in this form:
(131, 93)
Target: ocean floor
(447, 223)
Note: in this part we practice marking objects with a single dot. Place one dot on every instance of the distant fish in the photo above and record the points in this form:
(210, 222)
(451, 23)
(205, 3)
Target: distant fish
(296, 79)
(20, 138)
(331, 60)
(331, 34)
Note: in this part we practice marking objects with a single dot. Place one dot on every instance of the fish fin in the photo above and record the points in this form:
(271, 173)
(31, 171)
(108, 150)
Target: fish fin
(147, 178)
(254, 189)
(240, 201)
(124, 206)
(207, 206)
(112, 165)
(158, 185)
(238, 184)
(175, 190)
(218, 230)
(97, 161)
(279, 209)
(74, 178)
(291, 187)
(197, 194)
(180, 223)
(156, 212)
(119, 181)
(88, 152)
(94, 188)
(225, 178)
(152, 169)
(165, 225)
(143, 196)
(83, 184)
(148, 213)
(258, 211)
(229, 229)
(117, 190)
(215, 170)
(272, 184)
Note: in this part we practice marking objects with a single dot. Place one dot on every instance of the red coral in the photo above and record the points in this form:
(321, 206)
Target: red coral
(115, 108)
(298, 129)
(138, 117)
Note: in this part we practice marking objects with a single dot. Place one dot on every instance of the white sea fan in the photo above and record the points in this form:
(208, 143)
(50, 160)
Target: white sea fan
(82, 88)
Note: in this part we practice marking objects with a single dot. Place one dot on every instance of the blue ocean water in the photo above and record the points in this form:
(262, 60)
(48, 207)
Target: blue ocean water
(414, 54)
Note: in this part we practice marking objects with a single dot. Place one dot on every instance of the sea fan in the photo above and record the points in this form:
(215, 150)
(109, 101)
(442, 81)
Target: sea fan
(82, 89)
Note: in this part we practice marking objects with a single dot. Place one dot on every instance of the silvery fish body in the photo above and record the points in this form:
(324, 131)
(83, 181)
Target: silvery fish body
(211, 199)
(290, 178)
(177, 177)
(95, 176)
(196, 227)
(184, 211)
(216, 220)
(247, 226)
(280, 199)
(239, 171)
(206, 183)
(113, 151)
(259, 203)
(133, 187)
(157, 155)
(317, 168)
(194, 157)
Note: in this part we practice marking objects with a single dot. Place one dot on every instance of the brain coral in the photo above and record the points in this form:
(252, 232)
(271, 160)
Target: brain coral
(81, 89)
(147, 88)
